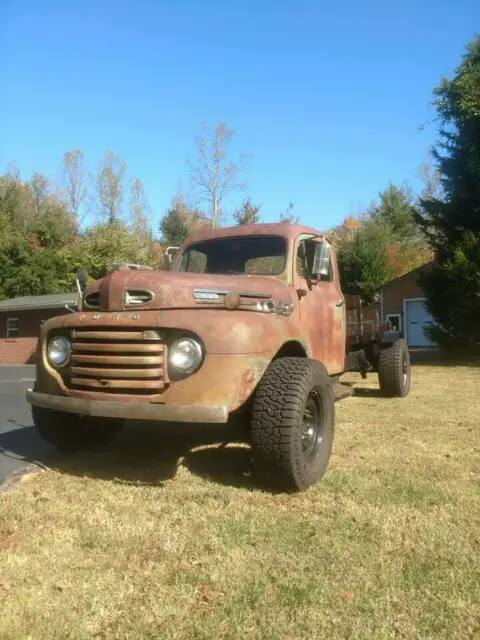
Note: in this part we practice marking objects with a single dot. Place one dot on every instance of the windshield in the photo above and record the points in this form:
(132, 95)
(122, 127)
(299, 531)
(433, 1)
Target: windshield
(244, 255)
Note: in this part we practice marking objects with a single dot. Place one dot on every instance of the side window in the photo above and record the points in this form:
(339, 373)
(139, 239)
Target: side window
(300, 260)
(325, 264)
(302, 264)
(329, 277)
(194, 262)
(12, 328)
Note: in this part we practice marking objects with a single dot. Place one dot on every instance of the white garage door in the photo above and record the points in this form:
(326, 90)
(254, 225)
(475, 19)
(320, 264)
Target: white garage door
(416, 317)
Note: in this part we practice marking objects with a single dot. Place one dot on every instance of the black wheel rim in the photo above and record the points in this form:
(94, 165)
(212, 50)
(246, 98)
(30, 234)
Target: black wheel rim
(312, 426)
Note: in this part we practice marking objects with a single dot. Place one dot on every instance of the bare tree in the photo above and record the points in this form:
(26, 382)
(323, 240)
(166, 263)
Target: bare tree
(288, 216)
(429, 175)
(40, 190)
(110, 185)
(12, 171)
(75, 187)
(140, 209)
(213, 175)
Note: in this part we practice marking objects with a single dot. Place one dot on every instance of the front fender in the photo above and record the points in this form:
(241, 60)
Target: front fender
(222, 331)
(239, 347)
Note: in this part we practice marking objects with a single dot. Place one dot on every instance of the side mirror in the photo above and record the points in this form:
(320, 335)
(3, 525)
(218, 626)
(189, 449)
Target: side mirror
(170, 254)
(82, 280)
(317, 256)
(321, 260)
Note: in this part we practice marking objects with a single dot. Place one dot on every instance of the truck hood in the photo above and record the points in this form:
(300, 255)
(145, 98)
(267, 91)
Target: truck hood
(149, 290)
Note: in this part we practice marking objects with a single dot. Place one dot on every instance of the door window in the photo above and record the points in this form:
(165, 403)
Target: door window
(305, 254)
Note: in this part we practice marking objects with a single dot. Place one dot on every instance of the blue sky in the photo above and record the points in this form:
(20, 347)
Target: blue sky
(332, 99)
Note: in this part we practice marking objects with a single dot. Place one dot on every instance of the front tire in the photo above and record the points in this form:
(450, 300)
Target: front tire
(394, 370)
(293, 420)
(71, 432)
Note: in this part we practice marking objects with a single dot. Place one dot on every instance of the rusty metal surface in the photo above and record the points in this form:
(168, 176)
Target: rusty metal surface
(363, 322)
(93, 334)
(223, 380)
(116, 373)
(287, 231)
(119, 409)
(120, 346)
(321, 316)
(222, 331)
(120, 353)
(126, 360)
(175, 290)
(106, 383)
(102, 365)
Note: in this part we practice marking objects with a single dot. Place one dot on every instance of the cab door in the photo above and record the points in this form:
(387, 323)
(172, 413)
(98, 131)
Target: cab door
(321, 304)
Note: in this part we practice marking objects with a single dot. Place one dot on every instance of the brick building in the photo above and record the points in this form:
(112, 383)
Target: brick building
(20, 320)
(403, 304)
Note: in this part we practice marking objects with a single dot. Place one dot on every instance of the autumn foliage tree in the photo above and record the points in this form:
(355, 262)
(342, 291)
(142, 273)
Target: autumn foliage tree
(42, 242)
(248, 213)
(35, 225)
(180, 221)
(344, 232)
(384, 243)
(363, 262)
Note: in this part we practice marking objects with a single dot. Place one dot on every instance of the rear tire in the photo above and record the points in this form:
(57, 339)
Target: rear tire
(71, 432)
(293, 420)
(394, 370)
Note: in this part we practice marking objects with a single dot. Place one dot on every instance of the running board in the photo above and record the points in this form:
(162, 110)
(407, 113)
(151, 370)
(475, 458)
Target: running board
(341, 391)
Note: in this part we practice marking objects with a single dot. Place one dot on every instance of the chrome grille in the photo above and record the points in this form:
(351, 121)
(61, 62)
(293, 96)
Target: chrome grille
(118, 362)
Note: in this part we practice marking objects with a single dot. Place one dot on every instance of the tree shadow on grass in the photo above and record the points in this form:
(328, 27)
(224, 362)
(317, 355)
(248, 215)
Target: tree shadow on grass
(146, 453)
(436, 358)
(362, 392)
(232, 466)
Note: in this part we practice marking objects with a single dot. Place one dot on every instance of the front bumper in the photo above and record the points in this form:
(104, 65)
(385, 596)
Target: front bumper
(111, 409)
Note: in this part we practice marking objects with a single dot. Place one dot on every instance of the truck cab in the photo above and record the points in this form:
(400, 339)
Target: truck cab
(249, 319)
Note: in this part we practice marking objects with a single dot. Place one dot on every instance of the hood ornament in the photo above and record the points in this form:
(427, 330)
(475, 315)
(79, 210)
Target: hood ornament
(246, 299)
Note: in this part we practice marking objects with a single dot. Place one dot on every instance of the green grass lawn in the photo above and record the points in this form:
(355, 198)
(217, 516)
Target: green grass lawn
(166, 534)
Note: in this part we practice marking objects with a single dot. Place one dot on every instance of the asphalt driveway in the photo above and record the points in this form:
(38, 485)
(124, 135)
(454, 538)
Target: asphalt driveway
(19, 443)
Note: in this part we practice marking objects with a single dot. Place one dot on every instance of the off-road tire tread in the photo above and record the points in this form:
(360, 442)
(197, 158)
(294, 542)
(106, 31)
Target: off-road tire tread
(390, 369)
(277, 409)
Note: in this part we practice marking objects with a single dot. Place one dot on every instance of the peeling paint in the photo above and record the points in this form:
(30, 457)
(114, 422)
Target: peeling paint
(123, 354)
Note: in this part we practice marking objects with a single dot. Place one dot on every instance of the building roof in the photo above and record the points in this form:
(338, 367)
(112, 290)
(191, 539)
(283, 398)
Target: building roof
(52, 301)
(405, 275)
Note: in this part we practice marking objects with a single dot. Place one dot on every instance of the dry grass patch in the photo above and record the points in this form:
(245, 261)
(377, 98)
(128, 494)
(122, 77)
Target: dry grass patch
(166, 535)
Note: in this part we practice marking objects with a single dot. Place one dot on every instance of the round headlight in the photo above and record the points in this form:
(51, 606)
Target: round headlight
(59, 350)
(185, 355)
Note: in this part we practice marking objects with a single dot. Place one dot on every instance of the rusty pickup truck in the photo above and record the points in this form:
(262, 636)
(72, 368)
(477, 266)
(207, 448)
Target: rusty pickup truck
(249, 320)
